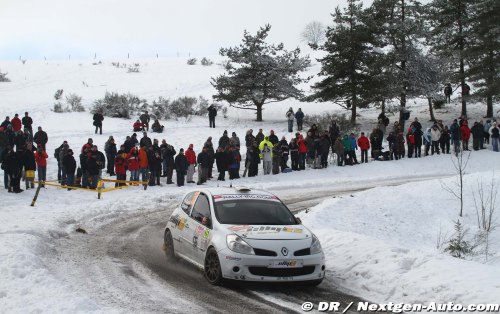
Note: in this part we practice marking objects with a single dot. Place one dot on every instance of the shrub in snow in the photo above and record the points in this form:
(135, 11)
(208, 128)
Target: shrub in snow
(457, 246)
(192, 61)
(74, 103)
(58, 107)
(206, 61)
(438, 103)
(323, 121)
(118, 106)
(182, 107)
(58, 94)
(3, 77)
(160, 108)
(133, 69)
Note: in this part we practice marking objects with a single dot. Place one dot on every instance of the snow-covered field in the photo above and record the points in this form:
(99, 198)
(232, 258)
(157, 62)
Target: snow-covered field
(381, 244)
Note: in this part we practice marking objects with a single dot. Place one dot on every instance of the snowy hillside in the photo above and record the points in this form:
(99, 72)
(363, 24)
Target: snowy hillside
(380, 242)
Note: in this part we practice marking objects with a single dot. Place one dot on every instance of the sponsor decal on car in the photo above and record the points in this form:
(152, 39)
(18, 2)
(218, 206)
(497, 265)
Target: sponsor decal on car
(286, 264)
(199, 230)
(206, 233)
(246, 229)
(232, 258)
(178, 222)
(225, 197)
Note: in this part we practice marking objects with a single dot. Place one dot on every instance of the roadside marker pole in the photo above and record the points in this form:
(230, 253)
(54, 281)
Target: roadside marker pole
(36, 193)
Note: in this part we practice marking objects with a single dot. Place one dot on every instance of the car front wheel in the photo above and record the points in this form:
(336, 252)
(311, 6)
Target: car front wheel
(169, 246)
(212, 271)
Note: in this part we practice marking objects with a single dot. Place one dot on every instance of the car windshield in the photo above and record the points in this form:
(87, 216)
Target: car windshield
(253, 212)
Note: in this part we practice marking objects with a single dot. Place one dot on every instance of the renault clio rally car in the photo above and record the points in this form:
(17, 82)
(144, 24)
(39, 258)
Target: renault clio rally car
(243, 234)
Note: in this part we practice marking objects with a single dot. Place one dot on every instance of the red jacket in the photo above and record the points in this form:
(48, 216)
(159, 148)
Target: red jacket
(41, 158)
(138, 126)
(133, 161)
(16, 124)
(120, 164)
(190, 156)
(465, 131)
(364, 143)
(302, 145)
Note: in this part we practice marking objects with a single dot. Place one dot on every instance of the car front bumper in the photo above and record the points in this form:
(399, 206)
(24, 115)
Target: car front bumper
(245, 267)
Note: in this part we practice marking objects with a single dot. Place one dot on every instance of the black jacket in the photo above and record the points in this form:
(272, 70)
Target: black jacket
(27, 122)
(146, 141)
(168, 152)
(203, 159)
(69, 164)
(13, 163)
(92, 164)
(29, 160)
(98, 119)
(181, 164)
(221, 161)
(41, 137)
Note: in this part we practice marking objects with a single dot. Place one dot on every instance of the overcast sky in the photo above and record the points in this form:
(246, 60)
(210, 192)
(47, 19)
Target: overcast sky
(34, 29)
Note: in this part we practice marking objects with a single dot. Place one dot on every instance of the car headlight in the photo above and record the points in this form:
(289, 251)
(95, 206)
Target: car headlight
(238, 245)
(315, 245)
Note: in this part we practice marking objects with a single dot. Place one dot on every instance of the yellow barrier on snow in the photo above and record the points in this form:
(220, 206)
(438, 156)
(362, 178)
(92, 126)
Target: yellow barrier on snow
(100, 186)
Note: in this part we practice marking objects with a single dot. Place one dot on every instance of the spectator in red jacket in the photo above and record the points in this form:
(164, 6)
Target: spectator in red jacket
(191, 159)
(133, 164)
(139, 126)
(364, 145)
(16, 123)
(465, 132)
(41, 163)
(120, 170)
(302, 152)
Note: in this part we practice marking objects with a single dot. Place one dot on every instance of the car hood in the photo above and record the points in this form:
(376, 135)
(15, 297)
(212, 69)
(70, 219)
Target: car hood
(265, 232)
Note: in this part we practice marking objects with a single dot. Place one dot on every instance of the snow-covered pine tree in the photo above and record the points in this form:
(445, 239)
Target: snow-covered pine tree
(484, 51)
(450, 37)
(347, 65)
(401, 28)
(259, 73)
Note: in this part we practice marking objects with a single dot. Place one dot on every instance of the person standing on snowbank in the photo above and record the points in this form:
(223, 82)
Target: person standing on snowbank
(98, 118)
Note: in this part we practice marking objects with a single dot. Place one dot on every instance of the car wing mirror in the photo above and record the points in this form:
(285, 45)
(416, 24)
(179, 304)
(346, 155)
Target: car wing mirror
(298, 220)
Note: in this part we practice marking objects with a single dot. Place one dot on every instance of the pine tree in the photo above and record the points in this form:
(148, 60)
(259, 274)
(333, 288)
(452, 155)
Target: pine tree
(400, 25)
(484, 51)
(259, 73)
(346, 67)
(450, 20)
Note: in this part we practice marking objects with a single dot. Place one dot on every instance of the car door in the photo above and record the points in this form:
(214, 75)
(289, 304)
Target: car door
(201, 227)
(183, 225)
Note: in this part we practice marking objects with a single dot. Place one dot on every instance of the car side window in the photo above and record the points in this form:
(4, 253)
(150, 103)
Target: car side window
(188, 201)
(201, 211)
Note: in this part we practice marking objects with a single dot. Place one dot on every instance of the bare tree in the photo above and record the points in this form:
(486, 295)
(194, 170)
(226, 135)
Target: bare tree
(460, 161)
(313, 33)
(485, 203)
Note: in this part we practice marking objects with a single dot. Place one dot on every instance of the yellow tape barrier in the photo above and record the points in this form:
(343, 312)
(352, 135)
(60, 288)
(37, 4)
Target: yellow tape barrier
(98, 190)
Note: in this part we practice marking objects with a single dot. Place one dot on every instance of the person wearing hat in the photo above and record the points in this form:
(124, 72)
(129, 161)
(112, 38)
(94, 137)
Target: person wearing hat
(191, 161)
(181, 166)
(5, 123)
(495, 136)
(224, 140)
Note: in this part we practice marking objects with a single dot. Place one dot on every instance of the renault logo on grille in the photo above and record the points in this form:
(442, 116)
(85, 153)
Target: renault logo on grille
(284, 251)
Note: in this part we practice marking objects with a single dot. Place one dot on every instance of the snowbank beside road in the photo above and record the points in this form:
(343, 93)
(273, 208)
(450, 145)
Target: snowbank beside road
(382, 244)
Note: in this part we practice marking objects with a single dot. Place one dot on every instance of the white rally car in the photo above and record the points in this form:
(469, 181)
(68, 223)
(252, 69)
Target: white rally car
(243, 234)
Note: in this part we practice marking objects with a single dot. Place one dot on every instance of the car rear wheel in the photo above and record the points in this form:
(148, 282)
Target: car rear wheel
(212, 271)
(169, 246)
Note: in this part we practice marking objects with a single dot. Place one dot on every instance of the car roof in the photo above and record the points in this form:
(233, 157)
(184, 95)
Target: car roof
(238, 190)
